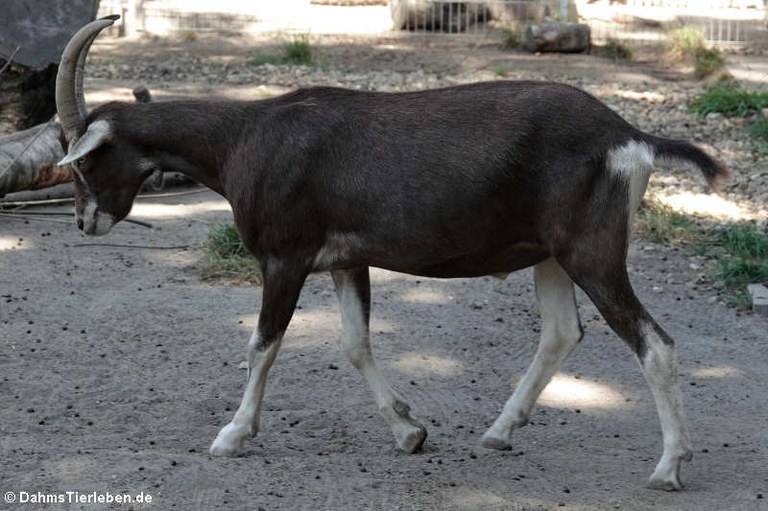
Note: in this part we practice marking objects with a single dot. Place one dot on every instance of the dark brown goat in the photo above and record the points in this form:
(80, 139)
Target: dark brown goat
(465, 181)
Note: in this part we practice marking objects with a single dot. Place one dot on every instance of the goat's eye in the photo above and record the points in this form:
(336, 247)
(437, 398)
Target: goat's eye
(80, 160)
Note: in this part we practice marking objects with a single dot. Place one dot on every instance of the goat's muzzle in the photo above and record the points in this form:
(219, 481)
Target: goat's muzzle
(92, 221)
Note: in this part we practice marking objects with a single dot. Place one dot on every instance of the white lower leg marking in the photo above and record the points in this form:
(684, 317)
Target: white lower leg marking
(560, 333)
(355, 340)
(230, 440)
(660, 368)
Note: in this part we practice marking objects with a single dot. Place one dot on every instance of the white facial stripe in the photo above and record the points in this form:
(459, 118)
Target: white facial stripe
(95, 222)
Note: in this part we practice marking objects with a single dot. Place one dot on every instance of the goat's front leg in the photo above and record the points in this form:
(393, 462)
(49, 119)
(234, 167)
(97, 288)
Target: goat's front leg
(560, 333)
(354, 292)
(281, 288)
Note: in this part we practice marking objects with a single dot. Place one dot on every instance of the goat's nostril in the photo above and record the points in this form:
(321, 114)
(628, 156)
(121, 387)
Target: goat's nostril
(80, 224)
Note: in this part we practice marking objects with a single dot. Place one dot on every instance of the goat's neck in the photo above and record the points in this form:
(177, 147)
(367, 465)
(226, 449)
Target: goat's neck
(192, 138)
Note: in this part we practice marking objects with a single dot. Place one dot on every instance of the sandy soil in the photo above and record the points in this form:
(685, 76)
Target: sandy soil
(119, 365)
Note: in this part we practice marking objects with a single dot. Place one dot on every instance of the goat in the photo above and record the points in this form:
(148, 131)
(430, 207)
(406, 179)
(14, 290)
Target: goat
(465, 181)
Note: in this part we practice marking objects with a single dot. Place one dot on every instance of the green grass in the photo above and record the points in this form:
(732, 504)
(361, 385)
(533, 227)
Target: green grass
(613, 49)
(682, 43)
(729, 100)
(500, 72)
(260, 59)
(743, 260)
(688, 44)
(511, 37)
(227, 258)
(737, 254)
(297, 52)
(659, 223)
(758, 130)
(707, 61)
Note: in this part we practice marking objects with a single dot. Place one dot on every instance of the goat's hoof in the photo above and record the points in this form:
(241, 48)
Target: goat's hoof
(229, 442)
(667, 474)
(491, 441)
(664, 484)
(411, 439)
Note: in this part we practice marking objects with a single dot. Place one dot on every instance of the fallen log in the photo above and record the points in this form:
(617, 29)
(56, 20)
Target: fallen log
(28, 159)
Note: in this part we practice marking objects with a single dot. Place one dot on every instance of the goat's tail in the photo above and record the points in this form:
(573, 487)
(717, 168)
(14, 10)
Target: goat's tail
(715, 172)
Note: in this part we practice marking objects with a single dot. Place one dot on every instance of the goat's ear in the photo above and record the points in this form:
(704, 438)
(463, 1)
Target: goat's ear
(157, 180)
(96, 134)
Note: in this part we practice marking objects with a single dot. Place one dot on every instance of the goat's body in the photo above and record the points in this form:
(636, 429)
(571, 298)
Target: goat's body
(456, 182)
(465, 181)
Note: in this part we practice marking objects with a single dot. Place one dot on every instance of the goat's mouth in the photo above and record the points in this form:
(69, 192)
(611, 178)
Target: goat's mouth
(94, 222)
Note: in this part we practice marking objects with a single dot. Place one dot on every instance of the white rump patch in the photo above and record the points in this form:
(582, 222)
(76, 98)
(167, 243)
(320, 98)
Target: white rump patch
(632, 162)
(632, 158)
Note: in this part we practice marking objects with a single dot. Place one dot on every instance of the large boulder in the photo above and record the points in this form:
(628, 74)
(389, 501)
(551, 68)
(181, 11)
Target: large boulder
(555, 36)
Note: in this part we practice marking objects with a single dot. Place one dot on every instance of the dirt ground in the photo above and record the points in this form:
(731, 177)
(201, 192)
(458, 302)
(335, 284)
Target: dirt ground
(119, 365)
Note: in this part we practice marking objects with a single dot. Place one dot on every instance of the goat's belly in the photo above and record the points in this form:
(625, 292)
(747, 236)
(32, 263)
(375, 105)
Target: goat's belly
(511, 258)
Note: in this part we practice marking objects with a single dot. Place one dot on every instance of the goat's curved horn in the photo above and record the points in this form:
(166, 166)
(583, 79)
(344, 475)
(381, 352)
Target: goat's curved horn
(70, 101)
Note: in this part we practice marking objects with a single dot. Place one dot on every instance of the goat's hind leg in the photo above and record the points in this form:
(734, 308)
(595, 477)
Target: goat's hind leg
(281, 289)
(560, 333)
(354, 292)
(607, 284)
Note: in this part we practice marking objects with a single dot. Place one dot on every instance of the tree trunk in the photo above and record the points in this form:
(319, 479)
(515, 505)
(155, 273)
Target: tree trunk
(27, 97)
(33, 34)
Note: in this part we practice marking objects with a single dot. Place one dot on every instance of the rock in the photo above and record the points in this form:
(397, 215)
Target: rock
(759, 294)
(557, 37)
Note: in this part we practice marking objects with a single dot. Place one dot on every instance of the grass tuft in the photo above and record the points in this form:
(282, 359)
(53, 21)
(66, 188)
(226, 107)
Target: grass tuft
(682, 43)
(687, 44)
(707, 61)
(297, 52)
(743, 260)
(758, 130)
(729, 100)
(227, 258)
(613, 49)
(659, 223)
(511, 37)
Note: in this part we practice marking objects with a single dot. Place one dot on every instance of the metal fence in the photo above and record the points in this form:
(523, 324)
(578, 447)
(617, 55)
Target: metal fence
(637, 22)
(723, 22)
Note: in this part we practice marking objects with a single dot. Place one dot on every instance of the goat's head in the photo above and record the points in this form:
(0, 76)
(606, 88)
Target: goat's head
(108, 172)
